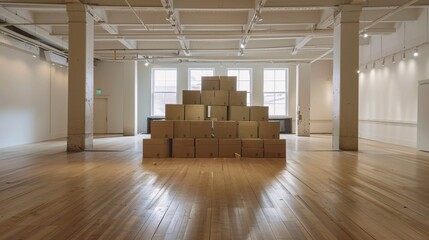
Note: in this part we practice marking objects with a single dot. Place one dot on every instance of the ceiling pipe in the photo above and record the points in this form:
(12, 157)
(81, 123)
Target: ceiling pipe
(137, 16)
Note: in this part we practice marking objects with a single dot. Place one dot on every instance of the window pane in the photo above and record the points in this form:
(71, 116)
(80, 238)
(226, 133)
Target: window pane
(268, 99)
(280, 75)
(244, 86)
(269, 86)
(245, 75)
(280, 109)
(280, 98)
(232, 72)
(269, 75)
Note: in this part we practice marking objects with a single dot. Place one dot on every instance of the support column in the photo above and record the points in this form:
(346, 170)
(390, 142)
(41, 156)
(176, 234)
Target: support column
(303, 79)
(346, 79)
(130, 98)
(80, 78)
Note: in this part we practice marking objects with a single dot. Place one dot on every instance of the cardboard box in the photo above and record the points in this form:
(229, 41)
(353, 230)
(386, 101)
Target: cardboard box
(238, 98)
(206, 147)
(252, 152)
(252, 143)
(208, 97)
(195, 112)
(182, 129)
(225, 129)
(219, 113)
(162, 129)
(201, 129)
(275, 148)
(258, 113)
(221, 98)
(238, 113)
(209, 83)
(156, 148)
(174, 112)
(228, 83)
(269, 130)
(247, 129)
(229, 147)
(191, 97)
(183, 148)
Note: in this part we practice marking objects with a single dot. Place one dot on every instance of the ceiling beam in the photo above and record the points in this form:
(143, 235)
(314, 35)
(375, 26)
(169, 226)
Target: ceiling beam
(300, 44)
(99, 16)
(253, 19)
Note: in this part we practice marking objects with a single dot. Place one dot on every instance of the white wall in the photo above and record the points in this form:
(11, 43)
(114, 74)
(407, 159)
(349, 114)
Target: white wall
(33, 99)
(388, 95)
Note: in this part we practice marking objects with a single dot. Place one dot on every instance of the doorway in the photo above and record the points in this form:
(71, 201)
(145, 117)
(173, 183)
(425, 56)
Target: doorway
(100, 115)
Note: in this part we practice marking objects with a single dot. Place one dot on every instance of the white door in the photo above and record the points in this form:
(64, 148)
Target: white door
(100, 115)
(423, 116)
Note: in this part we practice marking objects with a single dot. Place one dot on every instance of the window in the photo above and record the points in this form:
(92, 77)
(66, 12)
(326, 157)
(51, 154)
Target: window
(164, 89)
(195, 77)
(244, 82)
(275, 91)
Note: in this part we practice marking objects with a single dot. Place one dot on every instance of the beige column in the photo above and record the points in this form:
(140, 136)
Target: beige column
(130, 98)
(346, 81)
(303, 79)
(80, 78)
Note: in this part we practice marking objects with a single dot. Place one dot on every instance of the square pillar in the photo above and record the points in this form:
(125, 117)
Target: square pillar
(346, 79)
(130, 98)
(80, 78)
(303, 97)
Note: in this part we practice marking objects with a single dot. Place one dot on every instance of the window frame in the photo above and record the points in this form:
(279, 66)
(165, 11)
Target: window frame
(251, 82)
(153, 88)
(286, 90)
(189, 75)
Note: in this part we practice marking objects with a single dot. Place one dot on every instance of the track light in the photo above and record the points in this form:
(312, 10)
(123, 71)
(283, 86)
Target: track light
(403, 55)
(366, 66)
(416, 52)
(242, 45)
(358, 71)
(393, 59)
(373, 65)
(365, 34)
(384, 61)
(34, 56)
(146, 63)
(258, 16)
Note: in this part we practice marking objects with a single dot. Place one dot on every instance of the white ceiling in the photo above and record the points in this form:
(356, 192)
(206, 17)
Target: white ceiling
(206, 30)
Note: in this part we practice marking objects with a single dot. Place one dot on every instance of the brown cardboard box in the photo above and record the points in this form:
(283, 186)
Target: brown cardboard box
(252, 152)
(247, 129)
(174, 112)
(269, 130)
(258, 113)
(252, 143)
(209, 83)
(207, 97)
(183, 148)
(182, 129)
(191, 97)
(275, 148)
(195, 112)
(162, 129)
(221, 98)
(206, 147)
(218, 112)
(238, 113)
(229, 147)
(201, 129)
(156, 148)
(238, 98)
(225, 129)
(228, 83)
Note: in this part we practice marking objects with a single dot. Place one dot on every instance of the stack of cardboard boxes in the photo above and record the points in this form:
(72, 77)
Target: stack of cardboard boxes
(215, 122)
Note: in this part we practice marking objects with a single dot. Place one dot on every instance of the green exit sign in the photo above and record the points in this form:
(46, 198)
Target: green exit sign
(98, 92)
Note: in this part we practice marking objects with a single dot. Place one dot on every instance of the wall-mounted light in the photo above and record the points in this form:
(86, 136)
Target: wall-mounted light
(416, 52)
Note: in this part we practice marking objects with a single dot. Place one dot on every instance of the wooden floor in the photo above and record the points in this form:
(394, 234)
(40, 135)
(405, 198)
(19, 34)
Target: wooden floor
(380, 192)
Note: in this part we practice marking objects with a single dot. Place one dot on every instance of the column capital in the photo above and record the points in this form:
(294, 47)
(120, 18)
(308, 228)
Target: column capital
(347, 14)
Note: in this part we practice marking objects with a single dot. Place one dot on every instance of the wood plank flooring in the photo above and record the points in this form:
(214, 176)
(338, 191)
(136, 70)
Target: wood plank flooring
(380, 192)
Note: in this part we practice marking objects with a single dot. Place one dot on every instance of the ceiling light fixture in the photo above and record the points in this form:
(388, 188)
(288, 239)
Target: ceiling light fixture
(403, 55)
(393, 59)
(358, 71)
(146, 63)
(373, 65)
(242, 45)
(384, 61)
(416, 52)
(365, 34)
(34, 56)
